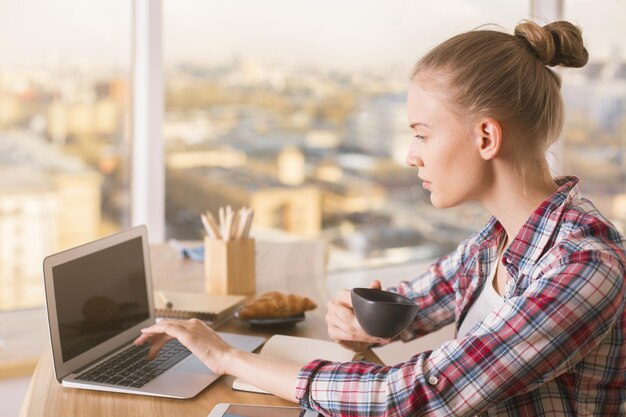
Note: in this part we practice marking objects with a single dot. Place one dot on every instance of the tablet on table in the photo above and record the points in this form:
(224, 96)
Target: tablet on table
(247, 410)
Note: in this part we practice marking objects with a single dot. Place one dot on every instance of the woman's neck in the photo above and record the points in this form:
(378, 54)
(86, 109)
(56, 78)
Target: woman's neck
(513, 198)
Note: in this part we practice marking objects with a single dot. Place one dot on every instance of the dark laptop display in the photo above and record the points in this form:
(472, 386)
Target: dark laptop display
(99, 296)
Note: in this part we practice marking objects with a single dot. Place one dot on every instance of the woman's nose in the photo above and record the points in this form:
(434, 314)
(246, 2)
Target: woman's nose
(413, 158)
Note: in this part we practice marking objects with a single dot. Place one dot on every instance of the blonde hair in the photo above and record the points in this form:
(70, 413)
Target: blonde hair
(495, 74)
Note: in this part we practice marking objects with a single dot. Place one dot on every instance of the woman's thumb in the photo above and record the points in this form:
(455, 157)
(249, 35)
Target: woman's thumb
(376, 285)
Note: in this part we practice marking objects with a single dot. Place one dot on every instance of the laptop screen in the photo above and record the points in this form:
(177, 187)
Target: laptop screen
(100, 295)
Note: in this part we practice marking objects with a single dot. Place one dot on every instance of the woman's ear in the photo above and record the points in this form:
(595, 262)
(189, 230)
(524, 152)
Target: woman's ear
(489, 137)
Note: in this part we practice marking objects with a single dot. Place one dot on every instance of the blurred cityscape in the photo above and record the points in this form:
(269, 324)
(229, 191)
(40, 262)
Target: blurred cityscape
(316, 153)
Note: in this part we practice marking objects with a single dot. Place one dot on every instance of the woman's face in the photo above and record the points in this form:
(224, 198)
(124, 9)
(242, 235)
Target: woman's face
(444, 149)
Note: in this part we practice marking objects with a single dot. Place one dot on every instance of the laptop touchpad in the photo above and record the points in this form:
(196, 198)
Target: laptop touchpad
(193, 365)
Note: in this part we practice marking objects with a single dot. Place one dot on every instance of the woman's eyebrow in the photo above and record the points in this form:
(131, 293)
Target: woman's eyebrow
(416, 124)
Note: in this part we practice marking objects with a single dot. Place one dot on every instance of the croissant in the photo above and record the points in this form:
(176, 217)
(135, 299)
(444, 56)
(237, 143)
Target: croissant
(275, 304)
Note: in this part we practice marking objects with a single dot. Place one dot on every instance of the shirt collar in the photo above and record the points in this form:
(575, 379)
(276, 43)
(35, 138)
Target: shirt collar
(531, 241)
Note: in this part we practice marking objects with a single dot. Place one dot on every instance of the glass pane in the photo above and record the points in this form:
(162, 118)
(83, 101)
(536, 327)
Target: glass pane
(594, 145)
(64, 88)
(297, 109)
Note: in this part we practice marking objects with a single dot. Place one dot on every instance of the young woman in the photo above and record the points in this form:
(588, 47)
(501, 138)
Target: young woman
(537, 295)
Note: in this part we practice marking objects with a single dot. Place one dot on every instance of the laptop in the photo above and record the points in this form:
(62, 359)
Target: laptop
(98, 297)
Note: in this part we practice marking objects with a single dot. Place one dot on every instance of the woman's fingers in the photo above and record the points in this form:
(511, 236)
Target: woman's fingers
(156, 336)
(351, 332)
(343, 327)
(358, 345)
(338, 333)
(142, 339)
(340, 316)
(158, 342)
(344, 297)
(167, 327)
(193, 334)
(376, 285)
(383, 342)
(340, 311)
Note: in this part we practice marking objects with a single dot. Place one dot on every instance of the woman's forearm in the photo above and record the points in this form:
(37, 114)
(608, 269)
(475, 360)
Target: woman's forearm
(271, 374)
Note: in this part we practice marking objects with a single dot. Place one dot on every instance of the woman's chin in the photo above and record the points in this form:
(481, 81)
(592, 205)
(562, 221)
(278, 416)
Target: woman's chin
(441, 203)
(434, 200)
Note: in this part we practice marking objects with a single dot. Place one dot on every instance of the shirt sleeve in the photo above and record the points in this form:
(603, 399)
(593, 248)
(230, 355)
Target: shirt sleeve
(434, 292)
(532, 339)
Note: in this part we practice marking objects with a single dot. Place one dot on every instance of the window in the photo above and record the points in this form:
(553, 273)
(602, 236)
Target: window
(64, 88)
(297, 109)
(594, 138)
(291, 107)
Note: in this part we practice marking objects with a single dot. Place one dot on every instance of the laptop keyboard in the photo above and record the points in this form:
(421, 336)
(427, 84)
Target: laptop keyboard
(130, 368)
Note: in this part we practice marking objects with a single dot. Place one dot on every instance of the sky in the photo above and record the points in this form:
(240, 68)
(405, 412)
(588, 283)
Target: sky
(341, 34)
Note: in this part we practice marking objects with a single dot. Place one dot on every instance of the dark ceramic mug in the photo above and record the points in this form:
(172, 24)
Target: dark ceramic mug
(382, 313)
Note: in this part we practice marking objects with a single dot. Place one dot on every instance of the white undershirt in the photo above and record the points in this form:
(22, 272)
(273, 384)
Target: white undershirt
(487, 301)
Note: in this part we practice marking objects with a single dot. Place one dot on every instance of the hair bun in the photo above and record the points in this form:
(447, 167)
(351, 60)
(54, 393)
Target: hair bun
(557, 43)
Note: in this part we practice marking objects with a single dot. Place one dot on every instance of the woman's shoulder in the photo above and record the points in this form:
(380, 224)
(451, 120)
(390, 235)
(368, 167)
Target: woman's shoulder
(588, 242)
(582, 227)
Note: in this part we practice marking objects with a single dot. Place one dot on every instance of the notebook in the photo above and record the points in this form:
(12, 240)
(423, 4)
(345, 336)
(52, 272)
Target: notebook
(98, 298)
(186, 305)
(399, 351)
(297, 349)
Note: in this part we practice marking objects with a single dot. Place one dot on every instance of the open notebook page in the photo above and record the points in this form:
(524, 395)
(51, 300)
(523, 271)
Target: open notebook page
(298, 349)
(398, 352)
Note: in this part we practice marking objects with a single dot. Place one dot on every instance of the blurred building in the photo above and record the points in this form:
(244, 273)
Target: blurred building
(380, 128)
(291, 166)
(293, 208)
(352, 195)
(191, 129)
(68, 119)
(595, 133)
(48, 202)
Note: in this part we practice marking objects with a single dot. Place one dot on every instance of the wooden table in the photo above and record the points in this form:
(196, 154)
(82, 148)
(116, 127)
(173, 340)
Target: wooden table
(279, 266)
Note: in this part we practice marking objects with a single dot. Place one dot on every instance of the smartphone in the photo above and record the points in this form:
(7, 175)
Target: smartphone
(247, 410)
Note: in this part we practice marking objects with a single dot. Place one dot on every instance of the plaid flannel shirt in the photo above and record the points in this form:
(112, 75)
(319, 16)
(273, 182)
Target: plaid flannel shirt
(555, 348)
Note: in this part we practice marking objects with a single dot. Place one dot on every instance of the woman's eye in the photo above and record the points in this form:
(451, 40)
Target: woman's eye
(419, 137)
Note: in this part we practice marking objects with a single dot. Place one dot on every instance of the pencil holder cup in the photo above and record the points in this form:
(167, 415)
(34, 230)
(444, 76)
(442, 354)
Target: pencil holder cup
(229, 266)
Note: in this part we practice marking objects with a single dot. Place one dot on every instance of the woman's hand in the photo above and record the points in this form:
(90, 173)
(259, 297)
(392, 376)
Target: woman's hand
(343, 326)
(194, 335)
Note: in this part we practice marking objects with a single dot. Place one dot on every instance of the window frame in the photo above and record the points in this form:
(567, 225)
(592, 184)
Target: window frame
(147, 183)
